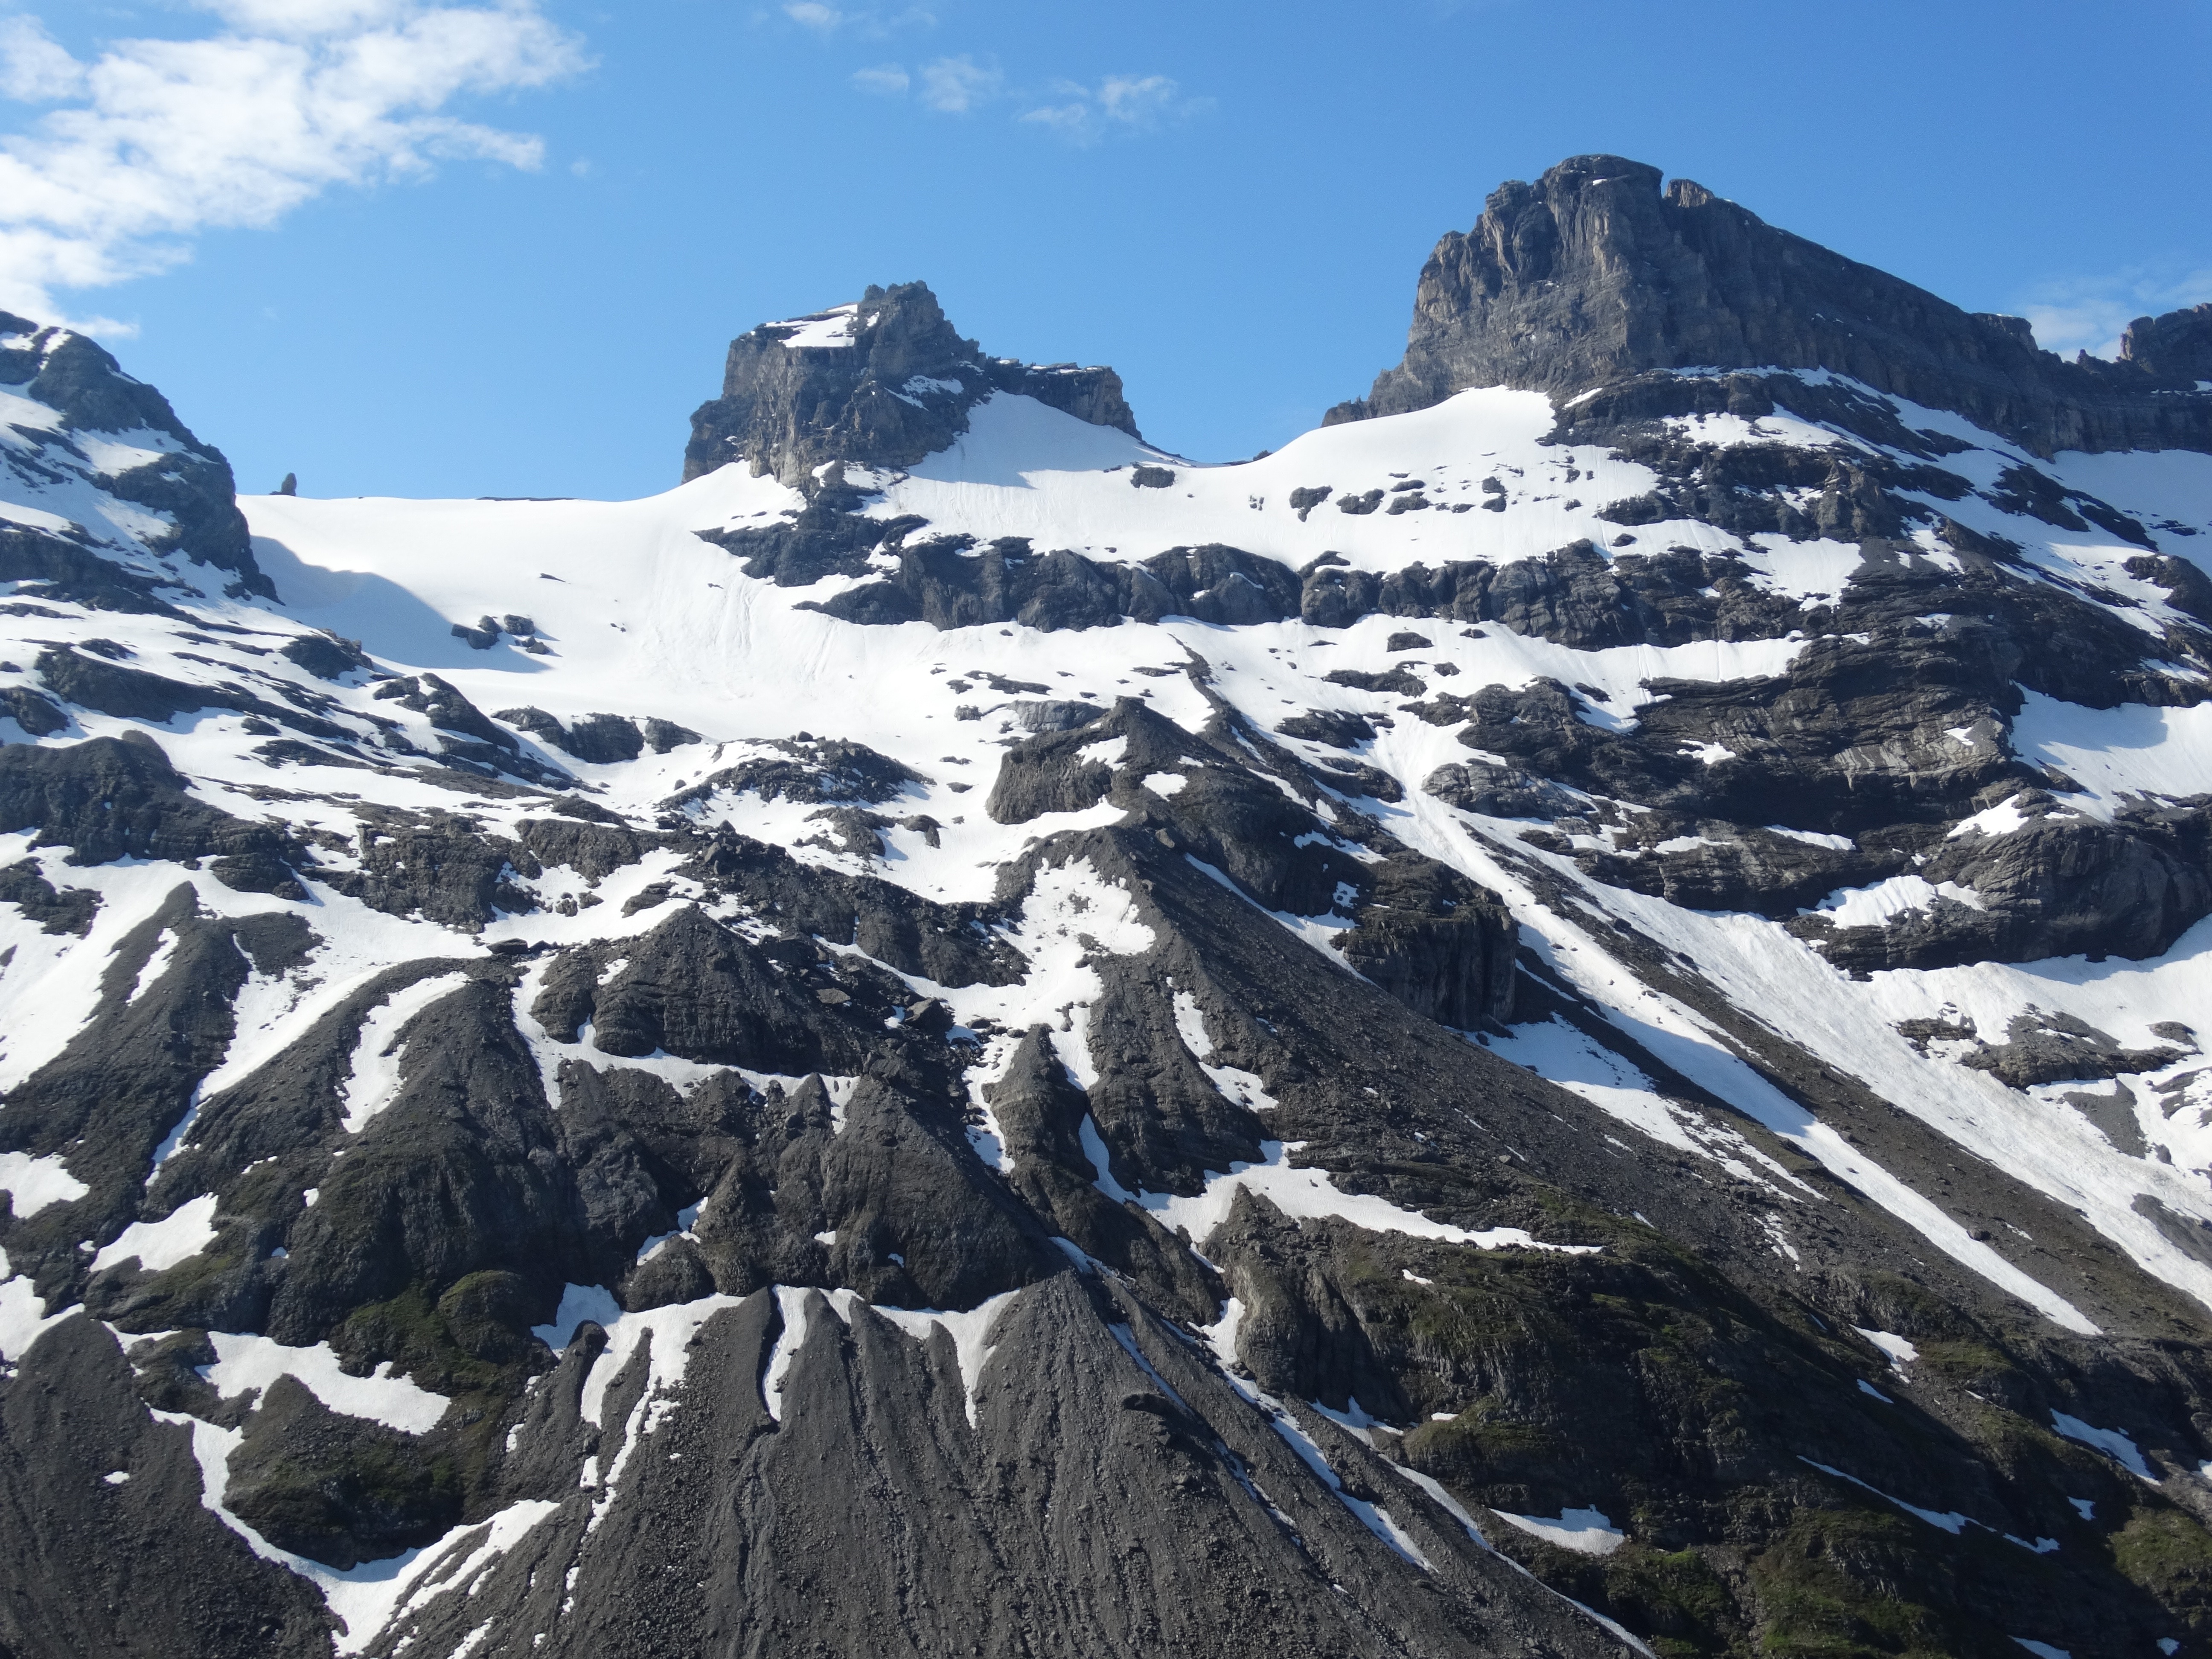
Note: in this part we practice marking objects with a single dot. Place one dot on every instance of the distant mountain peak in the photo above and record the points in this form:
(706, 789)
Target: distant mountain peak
(882, 381)
(1596, 273)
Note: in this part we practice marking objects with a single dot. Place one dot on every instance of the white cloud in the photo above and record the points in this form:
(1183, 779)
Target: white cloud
(956, 85)
(158, 140)
(33, 67)
(1135, 101)
(885, 80)
(1120, 103)
(2090, 314)
(868, 24)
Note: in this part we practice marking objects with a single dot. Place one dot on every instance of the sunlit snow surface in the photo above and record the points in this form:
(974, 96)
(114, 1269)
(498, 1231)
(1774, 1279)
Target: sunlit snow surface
(643, 618)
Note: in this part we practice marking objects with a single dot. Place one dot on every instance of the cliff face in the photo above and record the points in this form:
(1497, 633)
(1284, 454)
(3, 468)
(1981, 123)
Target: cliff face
(881, 382)
(112, 474)
(1593, 275)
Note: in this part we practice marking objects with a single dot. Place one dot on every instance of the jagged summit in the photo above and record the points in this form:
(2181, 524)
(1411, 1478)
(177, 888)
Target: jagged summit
(880, 382)
(1593, 274)
(92, 503)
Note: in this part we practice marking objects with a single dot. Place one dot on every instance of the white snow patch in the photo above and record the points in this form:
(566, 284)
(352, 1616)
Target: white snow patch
(2112, 753)
(1303, 1194)
(157, 1245)
(1165, 784)
(792, 1302)
(157, 964)
(1886, 900)
(1999, 820)
(244, 1362)
(23, 1317)
(1900, 1350)
(374, 1083)
(2115, 1443)
(823, 328)
(32, 1183)
(1586, 1531)
(1814, 837)
(578, 1303)
(1243, 1087)
(1559, 1054)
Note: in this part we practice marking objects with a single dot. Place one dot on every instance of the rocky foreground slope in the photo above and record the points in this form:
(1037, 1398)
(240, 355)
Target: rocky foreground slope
(1566, 1019)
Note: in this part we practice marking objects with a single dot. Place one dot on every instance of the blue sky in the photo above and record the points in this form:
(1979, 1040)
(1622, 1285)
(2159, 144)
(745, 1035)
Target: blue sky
(409, 247)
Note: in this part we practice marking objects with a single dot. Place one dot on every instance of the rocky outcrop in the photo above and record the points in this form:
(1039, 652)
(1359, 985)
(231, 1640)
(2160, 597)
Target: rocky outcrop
(1438, 943)
(2177, 348)
(881, 383)
(111, 797)
(187, 482)
(1593, 275)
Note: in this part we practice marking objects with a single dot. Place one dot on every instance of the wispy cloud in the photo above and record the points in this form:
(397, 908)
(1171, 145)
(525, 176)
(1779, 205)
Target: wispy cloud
(869, 23)
(884, 80)
(156, 141)
(2090, 314)
(954, 86)
(1120, 103)
(33, 67)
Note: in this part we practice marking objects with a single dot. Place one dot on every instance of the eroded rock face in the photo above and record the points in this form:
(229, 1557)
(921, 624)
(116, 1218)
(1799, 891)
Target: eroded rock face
(1593, 275)
(168, 472)
(880, 384)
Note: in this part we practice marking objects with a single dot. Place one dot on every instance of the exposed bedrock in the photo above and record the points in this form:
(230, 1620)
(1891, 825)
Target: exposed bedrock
(189, 484)
(1441, 944)
(890, 1201)
(1592, 275)
(139, 1569)
(947, 583)
(950, 944)
(112, 798)
(881, 387)
(2060, 886)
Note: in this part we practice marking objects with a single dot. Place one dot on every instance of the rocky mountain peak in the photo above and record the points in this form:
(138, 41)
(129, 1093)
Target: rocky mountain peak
(2176, 348)
(1596, 273)
(882, 381)
(148, 462)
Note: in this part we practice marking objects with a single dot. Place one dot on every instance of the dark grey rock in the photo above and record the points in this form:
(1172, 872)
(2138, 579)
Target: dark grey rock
(1438, 942)
(1336, 728)
(1592, 275)
(900, 391)
(828, 771)
(338, 1490)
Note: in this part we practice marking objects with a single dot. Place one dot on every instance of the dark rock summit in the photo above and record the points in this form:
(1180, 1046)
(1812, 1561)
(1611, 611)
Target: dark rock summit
(187, 482)
(1593, 275)
(881, 384)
